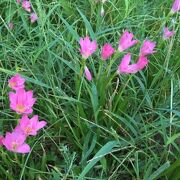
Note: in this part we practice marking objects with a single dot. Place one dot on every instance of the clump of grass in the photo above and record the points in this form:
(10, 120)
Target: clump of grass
(118, 127)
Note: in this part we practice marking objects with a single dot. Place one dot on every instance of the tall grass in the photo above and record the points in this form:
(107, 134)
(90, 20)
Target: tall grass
(115, 127)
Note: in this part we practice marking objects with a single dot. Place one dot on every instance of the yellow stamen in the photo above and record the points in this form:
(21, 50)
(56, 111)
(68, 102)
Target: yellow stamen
(28, 130)
(12, 84)
(20, 108)
(14, 146)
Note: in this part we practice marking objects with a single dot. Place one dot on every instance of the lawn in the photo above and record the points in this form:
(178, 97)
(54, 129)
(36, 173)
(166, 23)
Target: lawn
(107, 122)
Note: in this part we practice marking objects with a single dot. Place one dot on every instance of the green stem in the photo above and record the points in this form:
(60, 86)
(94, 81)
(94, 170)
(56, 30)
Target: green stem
(80, 109)
(100, 69)
(83, 64)
(17, 118)
(116, 55)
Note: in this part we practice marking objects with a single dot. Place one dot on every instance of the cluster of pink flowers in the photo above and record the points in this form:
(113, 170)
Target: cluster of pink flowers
(125, 42)
(26, 5)
(21, 101)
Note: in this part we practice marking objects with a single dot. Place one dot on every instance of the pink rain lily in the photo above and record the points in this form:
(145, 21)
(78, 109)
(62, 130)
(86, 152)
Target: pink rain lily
(124, 66)
(147, 48)
(107, 51)
(16, 82)
(26, 5)
(18, 1)
(87, 74)
(167, 33)
(22, 101)
(16, 142)
(87, 47)
(176, 6)
(126, 41)
(142, 63)
(30, 126)
(33, 17)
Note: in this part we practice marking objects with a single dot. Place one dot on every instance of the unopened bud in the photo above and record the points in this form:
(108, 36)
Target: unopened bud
(102, 11)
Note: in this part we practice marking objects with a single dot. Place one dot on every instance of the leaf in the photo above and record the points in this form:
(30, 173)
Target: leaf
(127, 6)
(71, 30)
(159, 171)
(94, 98)
(172, 171)
(130, 123)
(86, 149)
(106, 149)
(173, 138)
(88, 25)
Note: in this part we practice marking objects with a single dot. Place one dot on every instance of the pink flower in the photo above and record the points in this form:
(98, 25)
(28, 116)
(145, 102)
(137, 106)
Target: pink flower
(26, 5)
(147, 48)
(126, 41)
(11, 25)
(176, 6)
(87, 74)
(87, 47)
(167, 34)
(30, 126)
(124, 66)
(1, 139)
(142, 62)
(16, 142)
(33, 17)
(22, 101)
(16, 82)
(107, 51)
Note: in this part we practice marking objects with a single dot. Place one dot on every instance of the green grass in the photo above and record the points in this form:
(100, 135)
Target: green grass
(115, 127)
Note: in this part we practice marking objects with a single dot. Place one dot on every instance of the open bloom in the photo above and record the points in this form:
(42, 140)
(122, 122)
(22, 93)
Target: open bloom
(26, 5)
(16, 82)
(127, 68)
(33, 17)
(167, 33)
(176, 6)
(126, 41)
(87, 47)
(30, 126)
(87, 74)
(22, 101)
(147, 48)
(107, 51)
(15, 142)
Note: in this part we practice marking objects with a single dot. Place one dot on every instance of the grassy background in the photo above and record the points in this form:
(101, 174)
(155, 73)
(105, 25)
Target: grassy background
(116, 127)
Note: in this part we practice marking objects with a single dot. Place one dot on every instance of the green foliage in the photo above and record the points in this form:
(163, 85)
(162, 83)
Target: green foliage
(115, 127)
(172, 172)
